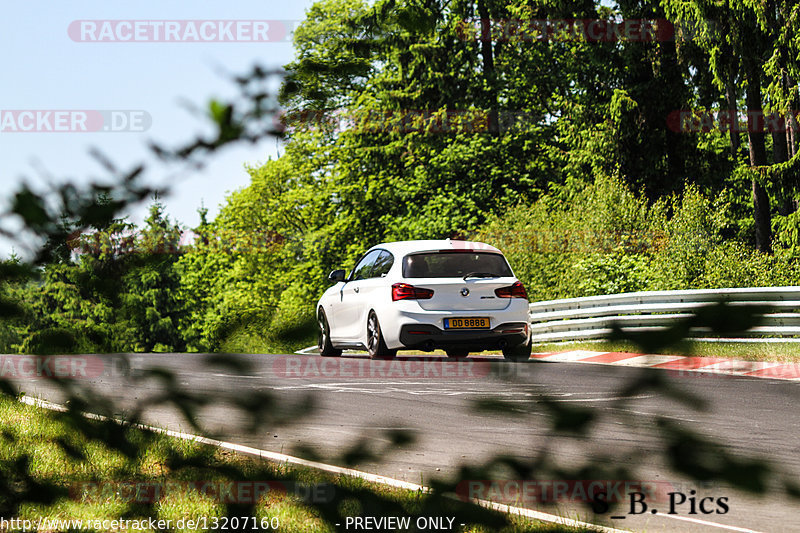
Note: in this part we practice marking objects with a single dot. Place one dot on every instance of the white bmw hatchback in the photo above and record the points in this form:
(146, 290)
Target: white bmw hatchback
(459, 296)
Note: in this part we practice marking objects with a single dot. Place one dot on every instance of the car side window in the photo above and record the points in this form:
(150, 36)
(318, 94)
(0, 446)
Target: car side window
(363, 269)
(382, 265)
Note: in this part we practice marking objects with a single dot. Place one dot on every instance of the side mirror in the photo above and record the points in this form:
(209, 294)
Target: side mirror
(336, 276)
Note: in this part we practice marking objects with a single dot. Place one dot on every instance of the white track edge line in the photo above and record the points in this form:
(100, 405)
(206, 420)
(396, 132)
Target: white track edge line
(544, 517)
(712, 524)
(374, 478)
(305, 351)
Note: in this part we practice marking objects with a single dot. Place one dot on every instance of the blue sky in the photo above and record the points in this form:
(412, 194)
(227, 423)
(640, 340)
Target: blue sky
(43, 69)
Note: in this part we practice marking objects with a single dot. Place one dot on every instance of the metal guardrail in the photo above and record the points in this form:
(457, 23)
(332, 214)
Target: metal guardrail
(592, 317)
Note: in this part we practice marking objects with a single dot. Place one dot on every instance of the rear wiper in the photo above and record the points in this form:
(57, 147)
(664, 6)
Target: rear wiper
(480, 275)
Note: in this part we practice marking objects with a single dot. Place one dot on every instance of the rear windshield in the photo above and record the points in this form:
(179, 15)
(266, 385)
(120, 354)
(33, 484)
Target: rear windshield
(454, 264)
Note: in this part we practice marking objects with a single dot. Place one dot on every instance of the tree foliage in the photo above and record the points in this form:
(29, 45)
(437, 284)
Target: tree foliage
(112, 291)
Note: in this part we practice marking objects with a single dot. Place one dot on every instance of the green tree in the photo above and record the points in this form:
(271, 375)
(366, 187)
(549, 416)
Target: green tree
(150, 306)
(116, 291)
(747, 42)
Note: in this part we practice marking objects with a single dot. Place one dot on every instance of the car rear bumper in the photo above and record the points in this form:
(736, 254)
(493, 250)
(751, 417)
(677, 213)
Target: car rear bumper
(428, 337)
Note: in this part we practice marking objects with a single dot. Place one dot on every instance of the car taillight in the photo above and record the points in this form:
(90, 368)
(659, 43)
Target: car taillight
(404, 291)
(516, 290)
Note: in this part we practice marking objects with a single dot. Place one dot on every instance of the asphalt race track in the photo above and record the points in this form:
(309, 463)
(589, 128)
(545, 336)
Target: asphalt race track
(434, 399)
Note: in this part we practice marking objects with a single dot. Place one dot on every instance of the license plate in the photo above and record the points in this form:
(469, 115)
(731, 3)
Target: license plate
(466, 323)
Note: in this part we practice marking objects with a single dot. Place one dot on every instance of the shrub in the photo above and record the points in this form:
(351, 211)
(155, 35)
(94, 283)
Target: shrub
(606, 240)
(611, 273)
(554, 246)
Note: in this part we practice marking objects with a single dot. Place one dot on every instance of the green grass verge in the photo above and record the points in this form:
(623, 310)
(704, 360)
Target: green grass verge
(48, 469)
(254, 342)
(755, 351)
(267, 335)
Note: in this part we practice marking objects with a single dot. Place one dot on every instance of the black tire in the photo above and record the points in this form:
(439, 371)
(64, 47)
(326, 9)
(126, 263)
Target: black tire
(375, 344)
(456, 354)
(326, 349)
(520, 352)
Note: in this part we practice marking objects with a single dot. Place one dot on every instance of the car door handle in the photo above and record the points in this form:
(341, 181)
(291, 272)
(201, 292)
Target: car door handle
(355, 289)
